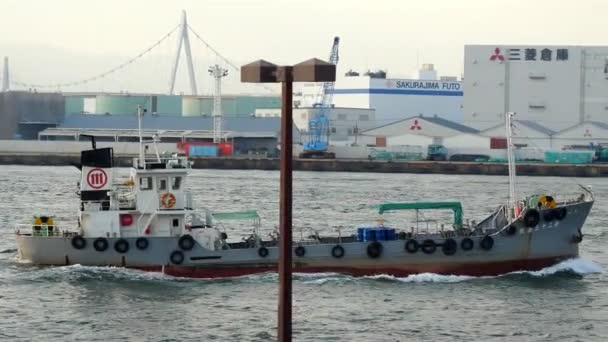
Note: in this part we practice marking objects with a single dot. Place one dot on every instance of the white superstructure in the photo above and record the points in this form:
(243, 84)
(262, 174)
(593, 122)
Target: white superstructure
(394, 99)
(556, 86)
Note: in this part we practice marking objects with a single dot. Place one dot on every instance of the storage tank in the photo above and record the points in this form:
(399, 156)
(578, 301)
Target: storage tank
(121, 104)
(191, 106)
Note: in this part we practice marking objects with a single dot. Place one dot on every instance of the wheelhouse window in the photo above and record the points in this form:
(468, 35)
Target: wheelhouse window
(145, 183)
(176, 182)
(162, 184)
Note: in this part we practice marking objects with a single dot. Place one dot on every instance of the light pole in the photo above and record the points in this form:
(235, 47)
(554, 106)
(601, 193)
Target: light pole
(312, 70)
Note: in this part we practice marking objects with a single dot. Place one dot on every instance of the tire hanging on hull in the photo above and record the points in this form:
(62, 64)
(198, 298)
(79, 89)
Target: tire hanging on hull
(486, 243)
(100, 244)
(141, 243)
(374, 250)
(449, 247)
(412, 246)
(177, 257)
(79, 242)
(186, 242)
(263, 252)
(121, 246)
(467, 244)
(337, 251)
(531, 218)
(428, 246)
(300, 251)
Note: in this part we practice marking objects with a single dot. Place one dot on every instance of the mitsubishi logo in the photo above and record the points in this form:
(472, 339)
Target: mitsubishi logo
(587, 133)
(497, 56)
(415, 126)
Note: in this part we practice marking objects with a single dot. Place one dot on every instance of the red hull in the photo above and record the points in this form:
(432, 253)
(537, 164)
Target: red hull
(481, 269)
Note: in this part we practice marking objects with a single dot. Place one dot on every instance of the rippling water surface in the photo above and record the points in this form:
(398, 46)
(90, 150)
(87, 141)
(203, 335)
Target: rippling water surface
(566, 302)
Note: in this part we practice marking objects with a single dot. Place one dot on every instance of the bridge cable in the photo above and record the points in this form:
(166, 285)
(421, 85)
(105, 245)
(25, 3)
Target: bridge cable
(101, 75)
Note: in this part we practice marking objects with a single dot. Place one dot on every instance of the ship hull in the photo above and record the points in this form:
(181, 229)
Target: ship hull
(527, 249)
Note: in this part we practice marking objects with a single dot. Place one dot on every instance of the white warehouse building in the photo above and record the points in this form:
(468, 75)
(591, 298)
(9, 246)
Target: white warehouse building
(393, 99)
(556, 86)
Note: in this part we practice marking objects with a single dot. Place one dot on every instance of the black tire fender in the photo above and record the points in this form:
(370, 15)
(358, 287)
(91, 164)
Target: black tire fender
(186, 242)
(263, 252)
(374, 250)
(449, 247)
(486, 243)
(467, 244)
(79, 242)
(531, 218)
(177, 257)
(100, 244)
(121, 246)
(561, 213)
(300, 251)
(428, 246)
(412, 246)
(337, 251)
(141, 243)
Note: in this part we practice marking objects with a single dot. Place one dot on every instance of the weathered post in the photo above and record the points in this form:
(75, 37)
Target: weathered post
(312, 70)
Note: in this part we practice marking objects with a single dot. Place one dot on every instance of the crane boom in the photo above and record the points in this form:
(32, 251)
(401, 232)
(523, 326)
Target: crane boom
(317, 141)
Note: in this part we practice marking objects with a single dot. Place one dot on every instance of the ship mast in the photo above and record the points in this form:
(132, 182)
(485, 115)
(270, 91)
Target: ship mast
(141, 140)
(512, 206)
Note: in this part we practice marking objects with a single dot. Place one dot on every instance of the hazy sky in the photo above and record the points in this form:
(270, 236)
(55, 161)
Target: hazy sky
(62, 41)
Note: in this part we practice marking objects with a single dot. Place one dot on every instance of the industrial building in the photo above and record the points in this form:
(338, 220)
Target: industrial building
(344, 123)
(172, 105)
(556, 86)
(394, 99)
(257, 135)
(25, 113)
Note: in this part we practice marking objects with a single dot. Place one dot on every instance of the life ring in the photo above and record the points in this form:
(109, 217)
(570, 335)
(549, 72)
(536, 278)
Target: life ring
(263, 252)
(177, 257)
(546, 202)
(531, 218)
(79, 242)
(141, 243)
(121, 246)
(548, 215)
(374, 250)
(186, 242)
(167, 200)
(467, 244)
(428, 246)
(486, 243)
(449, 247)
(100, 244)
(300, 251)
(561, 213)
(511, 230)
(337, 251)
(412, 246)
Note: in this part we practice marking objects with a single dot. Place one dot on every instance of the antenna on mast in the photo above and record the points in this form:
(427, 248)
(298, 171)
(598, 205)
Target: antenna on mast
(142, 156)
(217, 72)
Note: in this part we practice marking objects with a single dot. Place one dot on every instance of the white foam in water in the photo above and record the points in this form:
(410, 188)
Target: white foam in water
(424, 278)
(579, 266)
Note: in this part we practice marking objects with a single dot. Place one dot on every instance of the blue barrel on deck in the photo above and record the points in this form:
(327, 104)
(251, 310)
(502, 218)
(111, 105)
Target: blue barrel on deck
(360, 234)
(390, 234)
(369, 234)
(380, 234)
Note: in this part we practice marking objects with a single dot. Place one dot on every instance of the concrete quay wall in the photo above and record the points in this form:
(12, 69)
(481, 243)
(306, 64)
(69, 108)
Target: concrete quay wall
(338, 165)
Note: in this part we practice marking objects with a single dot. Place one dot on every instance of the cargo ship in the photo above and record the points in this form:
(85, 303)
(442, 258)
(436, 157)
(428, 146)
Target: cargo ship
(147, 221)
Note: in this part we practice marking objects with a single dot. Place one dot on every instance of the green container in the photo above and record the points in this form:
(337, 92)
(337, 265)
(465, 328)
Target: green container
(569, 157)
